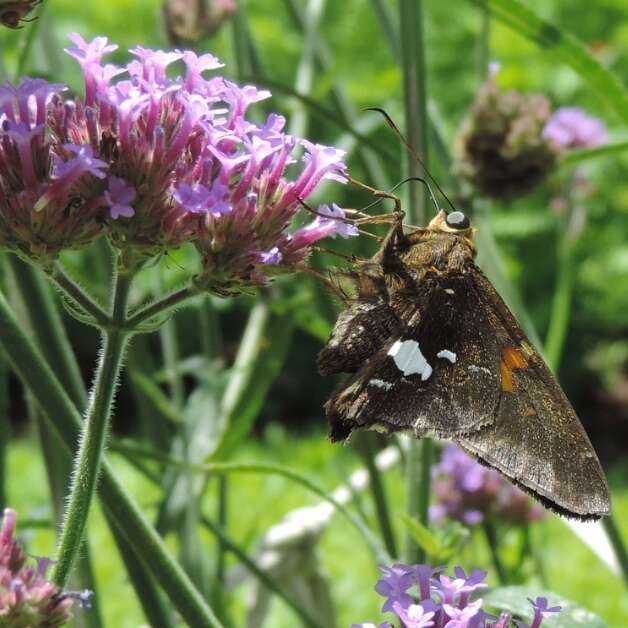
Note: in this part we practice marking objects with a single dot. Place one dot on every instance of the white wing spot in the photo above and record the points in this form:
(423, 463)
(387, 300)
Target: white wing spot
(449, 291)
(478, 369)
(446, 354)
(380, 383)
(409, 359)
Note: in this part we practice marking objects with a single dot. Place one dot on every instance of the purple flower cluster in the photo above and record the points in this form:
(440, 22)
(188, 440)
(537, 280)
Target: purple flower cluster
(154, 162)
(571, 127)
(421, 597)
(27, 598)
(468, 492)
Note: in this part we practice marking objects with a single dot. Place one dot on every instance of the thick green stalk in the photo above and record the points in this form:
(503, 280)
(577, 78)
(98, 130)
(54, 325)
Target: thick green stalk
(418, 476)
(94, 435)
(46, 324)
(63, 416)
(39, 310)
(5, 430)
(415, 100)
(493, 546)
(619, 547)
(365, 443)
(418, 480)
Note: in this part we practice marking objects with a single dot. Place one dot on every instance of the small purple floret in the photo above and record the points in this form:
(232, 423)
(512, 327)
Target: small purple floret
(119, 197)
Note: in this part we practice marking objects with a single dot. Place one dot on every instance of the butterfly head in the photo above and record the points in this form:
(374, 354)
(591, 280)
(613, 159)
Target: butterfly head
(452, 222)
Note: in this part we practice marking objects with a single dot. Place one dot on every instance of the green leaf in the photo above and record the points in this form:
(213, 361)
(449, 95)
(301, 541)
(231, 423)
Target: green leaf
(578, 156)
(147, 387)
(426, 540)
(439, 544)
(515, 600)
(565, 47)
(204, 427)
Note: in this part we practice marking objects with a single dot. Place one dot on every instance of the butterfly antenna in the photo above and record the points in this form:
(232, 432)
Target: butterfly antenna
(412, 152)
(425, 183)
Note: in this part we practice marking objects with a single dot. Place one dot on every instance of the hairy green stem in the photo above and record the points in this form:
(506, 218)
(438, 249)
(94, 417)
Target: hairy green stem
(62, 415)
(173, 300)
(77, 294)
(94, 435)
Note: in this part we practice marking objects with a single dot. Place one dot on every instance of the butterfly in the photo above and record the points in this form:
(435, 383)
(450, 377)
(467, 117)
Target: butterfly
(433, 350)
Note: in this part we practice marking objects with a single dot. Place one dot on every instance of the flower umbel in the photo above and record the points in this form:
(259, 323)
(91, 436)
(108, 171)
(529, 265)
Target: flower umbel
(468, 492)
(155, 162)
(419, 599)
(27, 598)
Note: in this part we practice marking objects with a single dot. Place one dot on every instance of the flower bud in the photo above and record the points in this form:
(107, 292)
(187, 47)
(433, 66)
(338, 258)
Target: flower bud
(12, 13)
(501, 149)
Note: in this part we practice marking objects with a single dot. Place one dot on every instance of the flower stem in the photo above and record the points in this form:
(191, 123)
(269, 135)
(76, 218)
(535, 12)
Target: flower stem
(77, 294)
(162, 306)
(94, 435)
(415, 99)
(62, 415)
(619, 547)
(365, 442)
(418, 479)
(493, 546)
(418, 465)
(561, 304)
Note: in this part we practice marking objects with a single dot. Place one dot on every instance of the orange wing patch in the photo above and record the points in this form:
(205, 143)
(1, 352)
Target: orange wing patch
(512, 358)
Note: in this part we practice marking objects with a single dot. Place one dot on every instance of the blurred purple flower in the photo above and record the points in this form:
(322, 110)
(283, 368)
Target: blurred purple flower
(444, 602)
(468, 492)
(27, 598)
(571, 127)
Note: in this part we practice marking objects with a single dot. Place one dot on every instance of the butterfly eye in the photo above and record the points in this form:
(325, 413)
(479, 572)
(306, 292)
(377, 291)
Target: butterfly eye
(457, 220)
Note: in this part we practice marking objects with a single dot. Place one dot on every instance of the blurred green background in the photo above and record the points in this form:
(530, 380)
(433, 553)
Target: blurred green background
(286, 419)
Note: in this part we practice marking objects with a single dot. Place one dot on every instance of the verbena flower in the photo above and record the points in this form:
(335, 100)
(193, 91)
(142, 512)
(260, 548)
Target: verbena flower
(155, 162)
(571, 127)
(501, 149)
(421, 599)
(190, 21)
(27, 598)
(468, 492)
(49, 196)
(12, 13)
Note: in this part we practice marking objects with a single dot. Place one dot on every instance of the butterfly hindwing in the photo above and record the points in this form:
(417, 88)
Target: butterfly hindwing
(536, 439)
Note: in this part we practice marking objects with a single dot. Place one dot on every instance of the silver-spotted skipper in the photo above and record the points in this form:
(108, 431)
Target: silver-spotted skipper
(434, 350)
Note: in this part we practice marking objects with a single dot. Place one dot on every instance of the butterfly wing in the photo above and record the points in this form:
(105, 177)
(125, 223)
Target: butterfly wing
(437, 373)
(536, 439)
